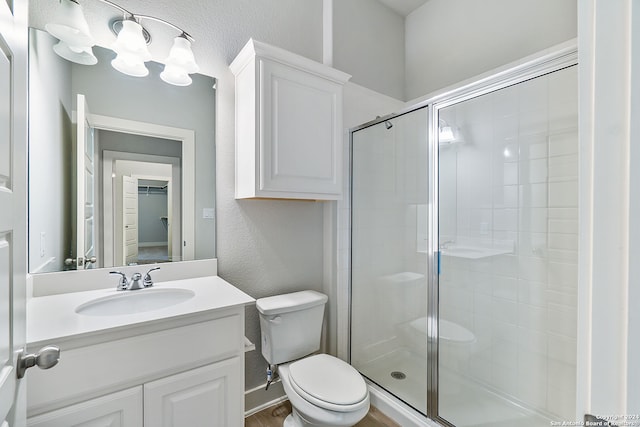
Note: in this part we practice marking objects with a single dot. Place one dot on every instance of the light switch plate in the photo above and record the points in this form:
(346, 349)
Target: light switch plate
(208, 213)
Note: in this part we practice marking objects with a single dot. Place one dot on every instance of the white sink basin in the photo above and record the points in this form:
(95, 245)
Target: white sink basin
(131, 302)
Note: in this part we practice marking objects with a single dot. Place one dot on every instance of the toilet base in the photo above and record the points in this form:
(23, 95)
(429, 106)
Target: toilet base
(307, 415)
(289, 421)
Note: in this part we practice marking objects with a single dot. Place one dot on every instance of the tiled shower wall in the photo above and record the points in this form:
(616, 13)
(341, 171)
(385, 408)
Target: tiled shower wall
(511, 182)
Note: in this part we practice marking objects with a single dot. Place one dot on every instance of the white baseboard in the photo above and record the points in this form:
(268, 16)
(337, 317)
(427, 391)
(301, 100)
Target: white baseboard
(257, 399)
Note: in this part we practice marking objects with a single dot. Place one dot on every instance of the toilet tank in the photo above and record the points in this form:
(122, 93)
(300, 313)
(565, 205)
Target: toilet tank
(290, 325)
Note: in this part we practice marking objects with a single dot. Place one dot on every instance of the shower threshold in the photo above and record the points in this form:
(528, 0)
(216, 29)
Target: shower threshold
(463, 402)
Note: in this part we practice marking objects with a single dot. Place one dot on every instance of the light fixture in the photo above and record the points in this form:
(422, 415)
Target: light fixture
(131, 50)
(70, 25)
(445, 133)
(80, 55)
(71, 28)
(180, 62)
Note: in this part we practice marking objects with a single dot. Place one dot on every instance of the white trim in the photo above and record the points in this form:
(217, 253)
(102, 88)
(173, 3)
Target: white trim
(187, 139)
(609, 286)
(327, 33)
(255, 398)
(255, 48)
(109, 214)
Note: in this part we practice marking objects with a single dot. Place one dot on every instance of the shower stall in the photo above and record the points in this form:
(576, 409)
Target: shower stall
(464, 246)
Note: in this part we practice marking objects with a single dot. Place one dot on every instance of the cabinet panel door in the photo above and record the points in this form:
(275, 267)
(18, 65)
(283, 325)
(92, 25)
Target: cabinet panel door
(210, 396)
(121, 409)
(301, 122)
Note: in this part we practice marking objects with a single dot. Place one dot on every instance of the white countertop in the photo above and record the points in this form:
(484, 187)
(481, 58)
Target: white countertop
(54, 317)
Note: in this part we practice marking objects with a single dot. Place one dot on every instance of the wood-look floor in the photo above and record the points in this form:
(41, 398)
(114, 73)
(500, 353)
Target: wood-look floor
(274, 417)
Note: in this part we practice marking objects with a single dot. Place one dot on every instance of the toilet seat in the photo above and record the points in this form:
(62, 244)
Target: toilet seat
(328, 383)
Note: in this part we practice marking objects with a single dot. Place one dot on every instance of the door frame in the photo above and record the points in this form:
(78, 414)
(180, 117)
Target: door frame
(186, 138)
(14, 200)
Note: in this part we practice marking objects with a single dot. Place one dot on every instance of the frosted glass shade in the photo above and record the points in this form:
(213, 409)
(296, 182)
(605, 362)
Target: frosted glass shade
(131, 50)
(180, 63)
(446, 134)
(175, 75)
(79, 55)
(129, 64)
(181, 55)
(70, 25)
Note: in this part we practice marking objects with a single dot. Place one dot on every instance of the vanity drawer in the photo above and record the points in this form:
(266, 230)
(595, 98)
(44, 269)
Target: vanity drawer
(94, 370)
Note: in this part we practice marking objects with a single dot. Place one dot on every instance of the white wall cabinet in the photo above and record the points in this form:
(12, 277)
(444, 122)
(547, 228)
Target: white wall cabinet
(288, 125)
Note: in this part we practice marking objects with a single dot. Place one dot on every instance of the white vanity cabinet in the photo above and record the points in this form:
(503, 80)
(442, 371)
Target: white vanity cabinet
(288, 125)
(119, 409)
(186, 369)
(189, 375)
(198, 397)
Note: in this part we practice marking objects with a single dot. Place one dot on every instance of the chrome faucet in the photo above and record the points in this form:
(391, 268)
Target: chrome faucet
(134, 283)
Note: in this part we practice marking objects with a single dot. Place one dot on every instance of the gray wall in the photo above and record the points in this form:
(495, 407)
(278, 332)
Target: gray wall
(50, 156)
(149, 99)
(448, 41)
(368, 43)
(151, 206)
(263, 247)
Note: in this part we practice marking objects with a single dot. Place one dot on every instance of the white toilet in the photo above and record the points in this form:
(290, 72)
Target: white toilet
(323, 390)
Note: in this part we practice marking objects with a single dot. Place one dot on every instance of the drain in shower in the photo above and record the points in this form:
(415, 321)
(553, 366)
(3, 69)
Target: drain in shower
(397, 375)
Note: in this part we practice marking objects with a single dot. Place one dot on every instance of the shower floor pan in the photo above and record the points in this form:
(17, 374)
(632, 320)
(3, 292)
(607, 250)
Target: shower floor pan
(462, 402)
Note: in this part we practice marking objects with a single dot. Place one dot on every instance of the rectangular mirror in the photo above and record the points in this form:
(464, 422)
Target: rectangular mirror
(121, 168)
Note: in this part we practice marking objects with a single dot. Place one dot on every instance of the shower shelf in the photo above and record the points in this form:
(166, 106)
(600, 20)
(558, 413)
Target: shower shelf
(474, 252)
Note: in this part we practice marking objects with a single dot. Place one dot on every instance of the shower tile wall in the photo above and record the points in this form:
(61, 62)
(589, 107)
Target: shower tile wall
(513, 184)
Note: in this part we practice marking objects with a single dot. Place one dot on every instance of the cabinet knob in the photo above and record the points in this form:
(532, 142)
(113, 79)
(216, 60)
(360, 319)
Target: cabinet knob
(46, 358)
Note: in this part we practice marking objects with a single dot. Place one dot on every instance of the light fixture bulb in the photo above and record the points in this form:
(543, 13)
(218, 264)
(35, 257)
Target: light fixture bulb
(446, 134)
(130, 65)
(79, 54)
(180, 63)
(131, 50)
(175, 75)
(70, 25)
(131, 40)
(182, 56)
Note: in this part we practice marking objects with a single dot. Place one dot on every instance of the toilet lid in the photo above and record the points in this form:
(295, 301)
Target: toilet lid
(328, 381)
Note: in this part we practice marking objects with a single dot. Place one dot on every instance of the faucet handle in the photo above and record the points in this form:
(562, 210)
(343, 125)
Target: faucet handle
(147, 277)
(123, 283)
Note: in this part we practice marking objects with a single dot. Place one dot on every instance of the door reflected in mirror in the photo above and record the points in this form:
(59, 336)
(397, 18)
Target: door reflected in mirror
(112, 162)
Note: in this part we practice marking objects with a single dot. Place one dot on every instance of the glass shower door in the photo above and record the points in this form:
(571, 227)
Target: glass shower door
(389, 255)
(508, 237)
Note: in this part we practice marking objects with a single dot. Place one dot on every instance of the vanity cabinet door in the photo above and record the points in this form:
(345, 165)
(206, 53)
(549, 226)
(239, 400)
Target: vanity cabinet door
(121, 409)
(202, 397)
